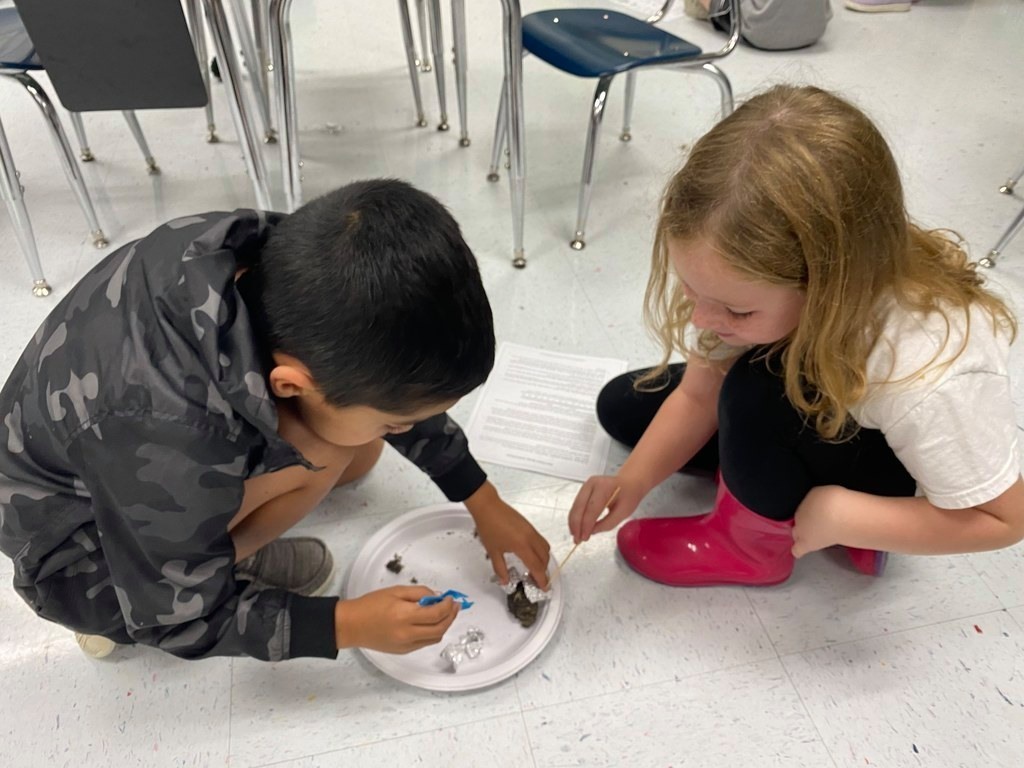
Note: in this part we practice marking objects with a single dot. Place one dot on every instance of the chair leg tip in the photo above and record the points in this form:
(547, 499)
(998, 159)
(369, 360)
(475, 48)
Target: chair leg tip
(1007, 188)
(41, 289)
(151, 167)
(99, 240)
(270, 137)
(519, 262)
(625, 136)
(421, 122)
(578, 243)
(87, 156)
(443, 125)
(989, 261)
(493, 176)
(464, 142)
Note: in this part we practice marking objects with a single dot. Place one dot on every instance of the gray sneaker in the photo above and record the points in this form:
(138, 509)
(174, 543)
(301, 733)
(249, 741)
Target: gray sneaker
(303, 565)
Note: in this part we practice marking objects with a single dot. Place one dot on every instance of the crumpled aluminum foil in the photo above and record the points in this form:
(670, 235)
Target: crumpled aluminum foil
(469, 647)
(473, 642)
(533, 593)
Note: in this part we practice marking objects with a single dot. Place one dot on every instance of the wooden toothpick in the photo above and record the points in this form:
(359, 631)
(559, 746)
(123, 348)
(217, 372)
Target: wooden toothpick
(576, 546)
(566, 560)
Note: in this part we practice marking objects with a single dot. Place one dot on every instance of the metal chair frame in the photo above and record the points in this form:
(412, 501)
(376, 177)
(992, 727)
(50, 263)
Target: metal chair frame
(700, 64)
(1016, 225)
(282, 66)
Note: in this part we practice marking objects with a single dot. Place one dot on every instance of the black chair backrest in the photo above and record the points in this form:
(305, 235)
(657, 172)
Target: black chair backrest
(115, 54)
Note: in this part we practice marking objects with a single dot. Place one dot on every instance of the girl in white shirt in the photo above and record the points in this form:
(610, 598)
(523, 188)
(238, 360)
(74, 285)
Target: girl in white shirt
(846, 372)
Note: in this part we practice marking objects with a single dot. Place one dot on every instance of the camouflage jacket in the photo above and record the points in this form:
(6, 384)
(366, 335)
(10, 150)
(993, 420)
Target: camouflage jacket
(128, 428)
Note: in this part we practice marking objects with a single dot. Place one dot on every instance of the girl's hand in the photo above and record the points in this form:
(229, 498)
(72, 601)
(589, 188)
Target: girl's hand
(502, 529)
(816, 524)
(592, 500)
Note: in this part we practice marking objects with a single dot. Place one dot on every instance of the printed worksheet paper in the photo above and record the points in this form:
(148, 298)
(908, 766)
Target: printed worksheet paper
(536, 412)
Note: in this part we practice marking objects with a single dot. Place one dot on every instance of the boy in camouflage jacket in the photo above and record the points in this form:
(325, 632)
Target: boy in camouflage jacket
(202, 389)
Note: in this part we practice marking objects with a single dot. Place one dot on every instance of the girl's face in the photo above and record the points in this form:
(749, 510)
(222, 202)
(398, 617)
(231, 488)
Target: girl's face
(738, 309)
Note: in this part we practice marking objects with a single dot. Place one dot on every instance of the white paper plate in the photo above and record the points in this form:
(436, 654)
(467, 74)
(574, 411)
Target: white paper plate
(439, 550)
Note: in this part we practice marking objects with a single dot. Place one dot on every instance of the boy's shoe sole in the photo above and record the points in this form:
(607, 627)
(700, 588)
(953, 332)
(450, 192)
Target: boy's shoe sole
(303, 565)
(853, 5)
(315, 590)
(95, 646)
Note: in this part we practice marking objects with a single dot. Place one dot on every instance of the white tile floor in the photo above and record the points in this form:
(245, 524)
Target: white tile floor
(921, 667)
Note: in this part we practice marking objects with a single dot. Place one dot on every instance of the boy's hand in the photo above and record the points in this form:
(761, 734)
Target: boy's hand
(391, 620)
(502, 529)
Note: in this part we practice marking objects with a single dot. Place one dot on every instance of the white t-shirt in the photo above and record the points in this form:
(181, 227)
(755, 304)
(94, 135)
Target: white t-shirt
(954, 427)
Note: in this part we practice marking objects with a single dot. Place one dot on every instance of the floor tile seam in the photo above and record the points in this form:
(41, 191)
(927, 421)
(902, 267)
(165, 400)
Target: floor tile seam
(372, 742)
(649, 684)
(1020, 621)
(760, 621)
(807, 711)
(896, 632)
(789, 677)
(526, 727)
(594, 309)
(796, 688)
(981, 576)
(231, 705)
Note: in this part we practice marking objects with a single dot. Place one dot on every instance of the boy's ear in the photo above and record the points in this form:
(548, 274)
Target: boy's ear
(289, 377)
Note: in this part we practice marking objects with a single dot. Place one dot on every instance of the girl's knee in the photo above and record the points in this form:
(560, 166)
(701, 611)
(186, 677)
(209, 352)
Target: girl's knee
(753, 389)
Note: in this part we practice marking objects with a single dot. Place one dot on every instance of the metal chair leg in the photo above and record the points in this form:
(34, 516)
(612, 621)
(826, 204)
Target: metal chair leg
(512, 55)
(437, 47)
(1011, 232)
(14, 198)
(423, 62)
(261, 37)
(461, 68)
(217, 22)
(65, 154)
(284, 92)
(195, 23)
(586, 181)
(500, 131)
(627, 113)
(411, 61)
(84, 154)
(724, 86)
(1007, 188)
(133, 124)
(252, 64)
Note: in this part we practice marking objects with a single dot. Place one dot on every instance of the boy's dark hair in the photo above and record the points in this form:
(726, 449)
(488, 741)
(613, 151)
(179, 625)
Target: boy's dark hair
(374, 290)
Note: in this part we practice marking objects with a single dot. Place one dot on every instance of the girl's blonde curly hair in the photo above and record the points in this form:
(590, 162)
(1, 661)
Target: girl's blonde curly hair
(798, 188)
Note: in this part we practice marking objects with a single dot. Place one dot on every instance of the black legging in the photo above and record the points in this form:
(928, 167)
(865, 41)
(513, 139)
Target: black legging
(768, 457)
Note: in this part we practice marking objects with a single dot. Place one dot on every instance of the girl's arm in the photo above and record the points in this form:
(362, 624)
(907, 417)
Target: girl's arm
(684, 423)
(831, 515)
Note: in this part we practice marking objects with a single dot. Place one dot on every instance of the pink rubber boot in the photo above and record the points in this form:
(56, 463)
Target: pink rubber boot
(730, 545)
(869, 561)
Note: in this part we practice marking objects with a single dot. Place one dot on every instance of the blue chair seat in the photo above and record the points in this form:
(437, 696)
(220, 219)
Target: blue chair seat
(16, 49)
(594, 42)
